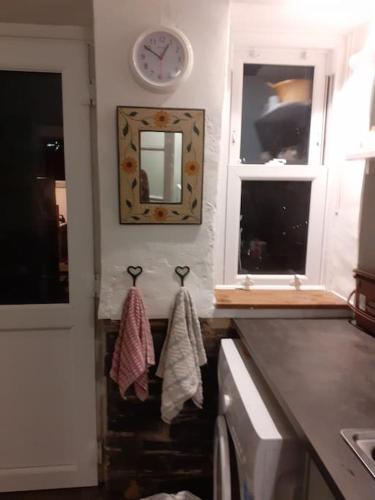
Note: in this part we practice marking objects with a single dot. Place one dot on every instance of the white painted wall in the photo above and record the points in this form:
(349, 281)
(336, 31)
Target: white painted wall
(350, 121)
(158, 248)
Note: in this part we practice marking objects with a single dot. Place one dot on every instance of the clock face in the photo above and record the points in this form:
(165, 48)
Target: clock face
(160, 58)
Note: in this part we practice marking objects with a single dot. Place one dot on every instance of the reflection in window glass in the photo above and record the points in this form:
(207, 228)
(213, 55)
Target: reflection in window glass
(276, 113)
(33, 226)
(274, 227)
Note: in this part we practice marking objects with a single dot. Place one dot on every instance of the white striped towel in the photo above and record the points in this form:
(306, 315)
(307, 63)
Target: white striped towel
(182, 356)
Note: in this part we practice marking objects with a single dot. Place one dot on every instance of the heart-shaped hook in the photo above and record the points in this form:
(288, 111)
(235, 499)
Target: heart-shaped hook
(134, 272)
(182, 272)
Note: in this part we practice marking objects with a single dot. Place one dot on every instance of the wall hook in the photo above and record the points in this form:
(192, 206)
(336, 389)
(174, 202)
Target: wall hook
(182, 272)
(134, 272)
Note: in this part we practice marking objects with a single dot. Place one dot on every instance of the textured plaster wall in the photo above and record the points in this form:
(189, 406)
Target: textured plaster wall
(117, 23)
(350, 120)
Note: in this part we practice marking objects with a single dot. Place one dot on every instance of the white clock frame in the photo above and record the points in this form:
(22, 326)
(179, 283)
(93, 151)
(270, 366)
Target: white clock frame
(162, 86)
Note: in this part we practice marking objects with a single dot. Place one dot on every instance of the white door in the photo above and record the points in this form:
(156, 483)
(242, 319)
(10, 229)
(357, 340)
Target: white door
(47, 362)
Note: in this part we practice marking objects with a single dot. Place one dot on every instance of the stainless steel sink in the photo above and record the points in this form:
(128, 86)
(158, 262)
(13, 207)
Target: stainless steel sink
(362, 441)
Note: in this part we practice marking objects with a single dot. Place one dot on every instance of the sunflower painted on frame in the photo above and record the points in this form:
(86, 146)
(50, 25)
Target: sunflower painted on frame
(191, 167)
(160, 213)
(129, 165)
(162, 119)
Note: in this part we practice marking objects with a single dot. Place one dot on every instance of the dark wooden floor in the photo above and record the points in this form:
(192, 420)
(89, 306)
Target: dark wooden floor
(68, 494)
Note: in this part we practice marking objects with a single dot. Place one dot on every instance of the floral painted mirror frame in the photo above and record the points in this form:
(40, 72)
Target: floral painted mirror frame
(131, 121)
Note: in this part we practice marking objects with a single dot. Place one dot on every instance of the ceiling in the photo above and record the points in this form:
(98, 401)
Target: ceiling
(55, 12)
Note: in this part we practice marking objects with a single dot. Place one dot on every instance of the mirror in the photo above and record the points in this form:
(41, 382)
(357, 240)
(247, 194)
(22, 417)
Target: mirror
(161, 167)
(372, 110)
(160, 154)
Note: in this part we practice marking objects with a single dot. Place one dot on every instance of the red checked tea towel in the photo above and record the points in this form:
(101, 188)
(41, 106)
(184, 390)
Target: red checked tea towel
(134, 349)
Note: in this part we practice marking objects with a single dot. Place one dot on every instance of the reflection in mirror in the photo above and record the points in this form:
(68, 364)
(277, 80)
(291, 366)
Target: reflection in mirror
(372, 111)
(161, 167)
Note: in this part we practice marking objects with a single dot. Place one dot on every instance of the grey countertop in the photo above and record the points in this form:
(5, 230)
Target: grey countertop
(322, 372)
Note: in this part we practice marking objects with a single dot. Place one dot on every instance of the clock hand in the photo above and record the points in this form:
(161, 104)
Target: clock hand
(164, 51)
(152, 52)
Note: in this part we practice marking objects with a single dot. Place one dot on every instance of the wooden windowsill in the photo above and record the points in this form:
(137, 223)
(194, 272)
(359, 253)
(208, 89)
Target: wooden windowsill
(278, 299)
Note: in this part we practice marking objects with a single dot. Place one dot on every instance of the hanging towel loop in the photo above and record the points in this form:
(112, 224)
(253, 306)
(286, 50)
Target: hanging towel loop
(134, 272)
(182, 272)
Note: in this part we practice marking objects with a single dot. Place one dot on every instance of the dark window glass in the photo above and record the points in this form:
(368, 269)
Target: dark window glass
(276, 113)
(33, 223)
(274, 226)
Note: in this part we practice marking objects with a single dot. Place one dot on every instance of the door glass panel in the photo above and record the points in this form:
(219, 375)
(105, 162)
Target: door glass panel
(274, 227)
(276, 113)
(34, 219)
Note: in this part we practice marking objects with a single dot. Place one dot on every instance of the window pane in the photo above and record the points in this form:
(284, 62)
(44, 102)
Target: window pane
(33, 226)
(276, 113)
(274, 227)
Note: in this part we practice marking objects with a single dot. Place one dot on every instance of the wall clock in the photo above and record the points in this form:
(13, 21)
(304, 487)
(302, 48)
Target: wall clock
(161, 59)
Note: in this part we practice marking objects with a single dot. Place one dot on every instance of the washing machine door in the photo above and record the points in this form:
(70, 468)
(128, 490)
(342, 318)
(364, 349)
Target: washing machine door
(222, 469)
(226, 477)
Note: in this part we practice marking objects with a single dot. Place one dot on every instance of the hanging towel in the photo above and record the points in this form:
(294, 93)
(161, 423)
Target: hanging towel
(134, 349)
(182, 356)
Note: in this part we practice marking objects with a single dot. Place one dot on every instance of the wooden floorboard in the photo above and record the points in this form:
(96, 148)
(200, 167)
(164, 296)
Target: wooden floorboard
(66, 494)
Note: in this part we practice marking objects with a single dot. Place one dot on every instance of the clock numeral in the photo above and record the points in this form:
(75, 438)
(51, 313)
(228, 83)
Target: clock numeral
(145, 65)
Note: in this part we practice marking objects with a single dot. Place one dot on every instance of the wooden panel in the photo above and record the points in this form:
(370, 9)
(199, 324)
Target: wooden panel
(144, 456)
(37, 368)
(271, 299)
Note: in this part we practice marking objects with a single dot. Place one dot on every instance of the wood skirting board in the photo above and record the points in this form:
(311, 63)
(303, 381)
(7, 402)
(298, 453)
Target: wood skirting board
(278, 299)
(142, 455)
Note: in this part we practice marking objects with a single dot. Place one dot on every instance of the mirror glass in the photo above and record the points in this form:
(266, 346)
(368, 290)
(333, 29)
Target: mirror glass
(372, 112)
(160, 167)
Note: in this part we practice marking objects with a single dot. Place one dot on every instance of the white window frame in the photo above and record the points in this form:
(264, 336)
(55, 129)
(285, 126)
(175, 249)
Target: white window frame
(313, 171)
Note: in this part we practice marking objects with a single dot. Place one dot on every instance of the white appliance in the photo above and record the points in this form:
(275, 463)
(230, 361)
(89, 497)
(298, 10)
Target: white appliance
(256, 454)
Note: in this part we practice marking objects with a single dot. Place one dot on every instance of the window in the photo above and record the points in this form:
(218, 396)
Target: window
(273, 227)
(276, 113)
(276, 181)
(34, 264)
